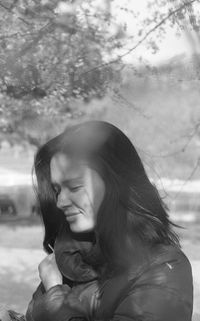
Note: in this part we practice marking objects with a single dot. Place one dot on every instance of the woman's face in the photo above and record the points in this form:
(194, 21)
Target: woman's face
(79, 189)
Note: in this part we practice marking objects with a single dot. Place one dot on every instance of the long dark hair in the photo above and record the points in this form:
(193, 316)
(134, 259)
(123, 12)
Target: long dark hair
(132, 213)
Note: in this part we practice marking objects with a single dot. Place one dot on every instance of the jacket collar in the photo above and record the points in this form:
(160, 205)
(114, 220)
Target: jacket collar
(70, 250)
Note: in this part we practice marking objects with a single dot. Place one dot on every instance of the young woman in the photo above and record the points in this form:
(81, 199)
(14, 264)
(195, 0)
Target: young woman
(112, 253)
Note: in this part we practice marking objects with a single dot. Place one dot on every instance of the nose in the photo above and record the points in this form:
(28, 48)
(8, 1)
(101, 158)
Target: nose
(64, 199)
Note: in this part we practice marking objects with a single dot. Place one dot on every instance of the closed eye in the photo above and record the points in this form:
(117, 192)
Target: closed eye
(76, 188)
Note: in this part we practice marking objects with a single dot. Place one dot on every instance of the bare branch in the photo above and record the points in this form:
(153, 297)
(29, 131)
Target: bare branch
(11, 6)
(12, 35)
(25, 21)
(9, 36)
(3, 6)
(197, 165)
(181, 150)
(129, 104)
(172, 13)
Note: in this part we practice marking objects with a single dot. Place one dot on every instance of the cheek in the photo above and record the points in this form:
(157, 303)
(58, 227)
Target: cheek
(98, 195)
(83, 199)
(90, 199)
(93, 192)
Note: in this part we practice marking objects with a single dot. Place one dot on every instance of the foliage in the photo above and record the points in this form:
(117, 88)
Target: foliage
(52, 52)
(48, 51)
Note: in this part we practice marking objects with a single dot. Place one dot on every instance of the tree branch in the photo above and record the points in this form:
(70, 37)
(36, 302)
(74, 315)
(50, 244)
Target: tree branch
(24, 21)
(45, 29)
(197, 165)
(129, 104)
(17, 34)
(11, 6)
(172, 13)
(3, 6)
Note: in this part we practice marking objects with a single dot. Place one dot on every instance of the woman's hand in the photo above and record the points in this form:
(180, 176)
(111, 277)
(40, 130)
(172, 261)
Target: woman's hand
(49, 273)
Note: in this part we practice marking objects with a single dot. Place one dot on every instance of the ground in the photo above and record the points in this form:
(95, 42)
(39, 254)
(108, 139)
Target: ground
(20, 250)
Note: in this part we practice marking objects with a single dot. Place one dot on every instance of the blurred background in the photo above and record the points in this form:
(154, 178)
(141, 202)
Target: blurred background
(135, 64)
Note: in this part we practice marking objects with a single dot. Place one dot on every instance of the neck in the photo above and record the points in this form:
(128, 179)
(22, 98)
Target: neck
(86, 236)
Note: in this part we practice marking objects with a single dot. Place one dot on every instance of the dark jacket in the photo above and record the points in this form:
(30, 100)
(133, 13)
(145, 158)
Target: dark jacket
(159, 289)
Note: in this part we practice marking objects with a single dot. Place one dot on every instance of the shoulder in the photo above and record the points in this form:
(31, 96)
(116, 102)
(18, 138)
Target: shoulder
(168, 267)
(163, 288)
(175, 266)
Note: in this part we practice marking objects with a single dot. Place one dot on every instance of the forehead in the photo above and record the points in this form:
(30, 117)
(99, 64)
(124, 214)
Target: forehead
(63, 167)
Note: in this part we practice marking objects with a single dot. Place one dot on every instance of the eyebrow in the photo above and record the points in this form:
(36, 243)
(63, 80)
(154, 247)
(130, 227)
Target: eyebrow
(68, 181)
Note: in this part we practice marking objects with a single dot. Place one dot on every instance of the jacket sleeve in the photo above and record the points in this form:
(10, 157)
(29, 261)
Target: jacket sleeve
(36, 296)
(166, 294)
(61, 303)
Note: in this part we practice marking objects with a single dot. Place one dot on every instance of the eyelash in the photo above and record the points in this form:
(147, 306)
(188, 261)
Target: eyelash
(57, 189)
(74, 189)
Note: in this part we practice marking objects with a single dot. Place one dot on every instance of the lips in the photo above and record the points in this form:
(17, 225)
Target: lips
(71, 217)
(71, 214)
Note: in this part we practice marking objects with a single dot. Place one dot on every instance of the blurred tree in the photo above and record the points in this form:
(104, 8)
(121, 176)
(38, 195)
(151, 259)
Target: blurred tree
(47, 52)
(54, 51)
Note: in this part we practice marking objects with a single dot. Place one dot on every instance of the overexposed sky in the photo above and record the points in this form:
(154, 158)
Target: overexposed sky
(170, 45)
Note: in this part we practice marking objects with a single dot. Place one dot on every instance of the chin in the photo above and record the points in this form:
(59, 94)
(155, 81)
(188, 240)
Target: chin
(80, 229)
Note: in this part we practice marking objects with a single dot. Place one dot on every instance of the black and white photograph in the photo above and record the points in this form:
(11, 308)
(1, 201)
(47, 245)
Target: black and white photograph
(99, 160)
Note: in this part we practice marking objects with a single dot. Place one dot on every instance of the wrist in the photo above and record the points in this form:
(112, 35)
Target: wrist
(50, 284)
